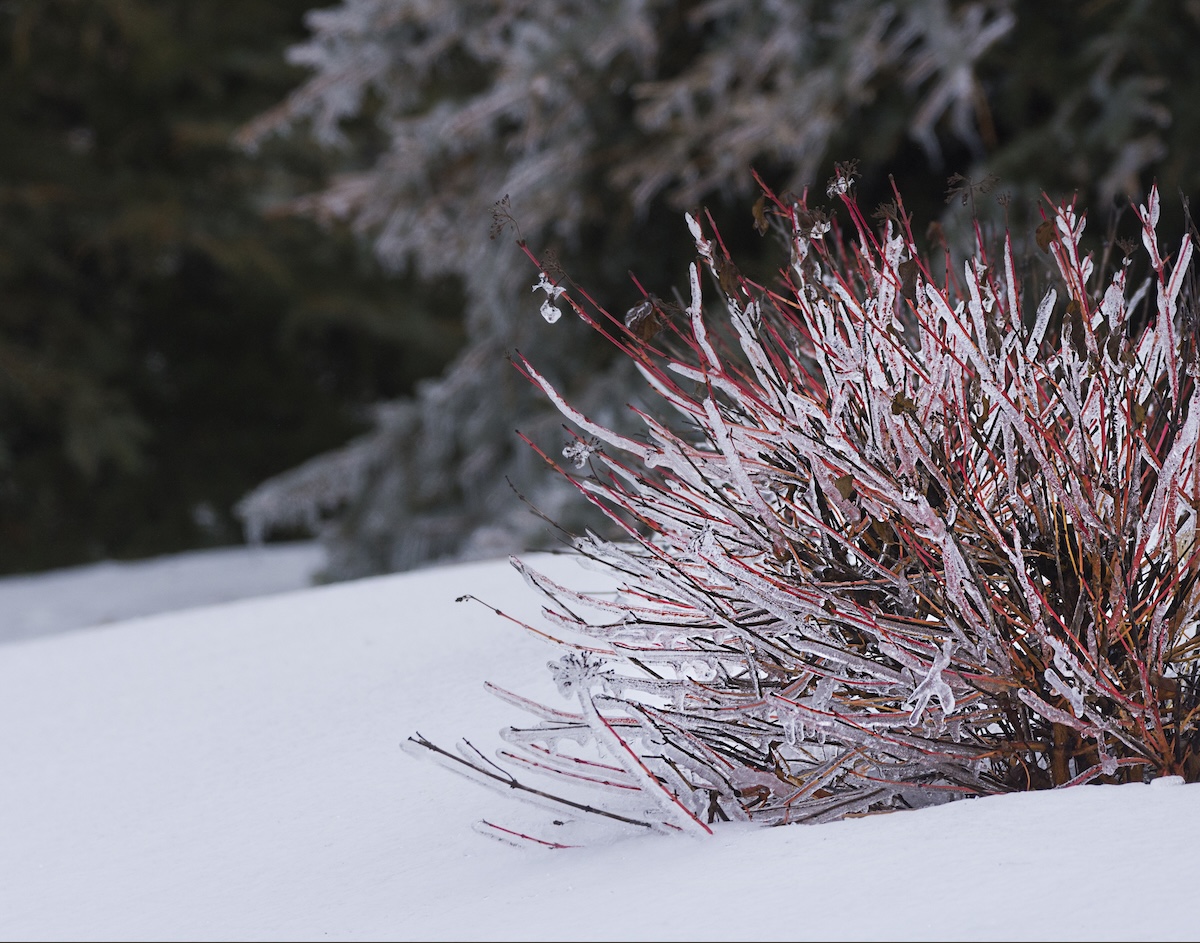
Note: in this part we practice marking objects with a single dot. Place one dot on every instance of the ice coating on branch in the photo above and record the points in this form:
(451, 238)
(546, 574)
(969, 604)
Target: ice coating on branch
(704, 544)
(1044, 310)
(933, 685)
(703, 246)
(825, 688)
(1061, 688)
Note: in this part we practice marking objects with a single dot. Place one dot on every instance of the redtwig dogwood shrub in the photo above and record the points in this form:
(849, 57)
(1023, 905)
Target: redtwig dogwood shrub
(909, 535)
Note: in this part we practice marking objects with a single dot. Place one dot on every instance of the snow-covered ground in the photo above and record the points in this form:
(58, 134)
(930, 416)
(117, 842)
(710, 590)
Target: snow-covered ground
(234, 772)
(48, 603)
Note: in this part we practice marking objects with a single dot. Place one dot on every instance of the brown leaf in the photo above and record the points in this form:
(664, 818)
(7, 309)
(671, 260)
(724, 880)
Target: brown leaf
(1045, 234)
(844, 485)
(1114, 346)
(1074, 324)
(727, 275)
(908, 278)
(643, 320)
(760, 216)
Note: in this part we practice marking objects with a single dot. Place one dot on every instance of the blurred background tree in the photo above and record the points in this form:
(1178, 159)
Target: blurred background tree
(180, 320)
(601, 121)
(165, 341)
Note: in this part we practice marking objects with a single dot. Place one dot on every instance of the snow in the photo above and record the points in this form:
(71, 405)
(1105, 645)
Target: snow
(234, 771)
(47, 603)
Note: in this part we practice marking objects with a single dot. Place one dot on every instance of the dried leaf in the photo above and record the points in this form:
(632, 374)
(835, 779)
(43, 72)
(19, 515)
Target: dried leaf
(643, 320)
(908, 278)
(760, 216)
(728, 276)
(965, 187)
(887, 211)
(1045, 234)
(1073, 324)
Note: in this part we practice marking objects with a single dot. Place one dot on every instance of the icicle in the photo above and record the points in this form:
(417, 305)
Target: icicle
(933, 685)
(1062, 689)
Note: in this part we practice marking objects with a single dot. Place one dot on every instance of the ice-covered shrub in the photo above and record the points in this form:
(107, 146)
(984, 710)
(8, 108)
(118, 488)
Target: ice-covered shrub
(903, 531)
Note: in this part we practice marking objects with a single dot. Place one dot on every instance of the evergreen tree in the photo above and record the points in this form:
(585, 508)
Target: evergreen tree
(599, 122)
(163, 344)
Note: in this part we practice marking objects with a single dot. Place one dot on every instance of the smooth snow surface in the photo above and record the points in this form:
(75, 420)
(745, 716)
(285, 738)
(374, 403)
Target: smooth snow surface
(48, 603)
(234, 772)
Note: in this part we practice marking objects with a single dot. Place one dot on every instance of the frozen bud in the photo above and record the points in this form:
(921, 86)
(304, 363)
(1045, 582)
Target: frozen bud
(550, 312)
(575, 671)
(843, 178)
(578, 453)
(548, 286)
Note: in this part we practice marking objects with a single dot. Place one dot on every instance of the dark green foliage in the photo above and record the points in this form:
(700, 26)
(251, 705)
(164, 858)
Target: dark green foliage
(164, 344)
(1097, 99)
(600, 121)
